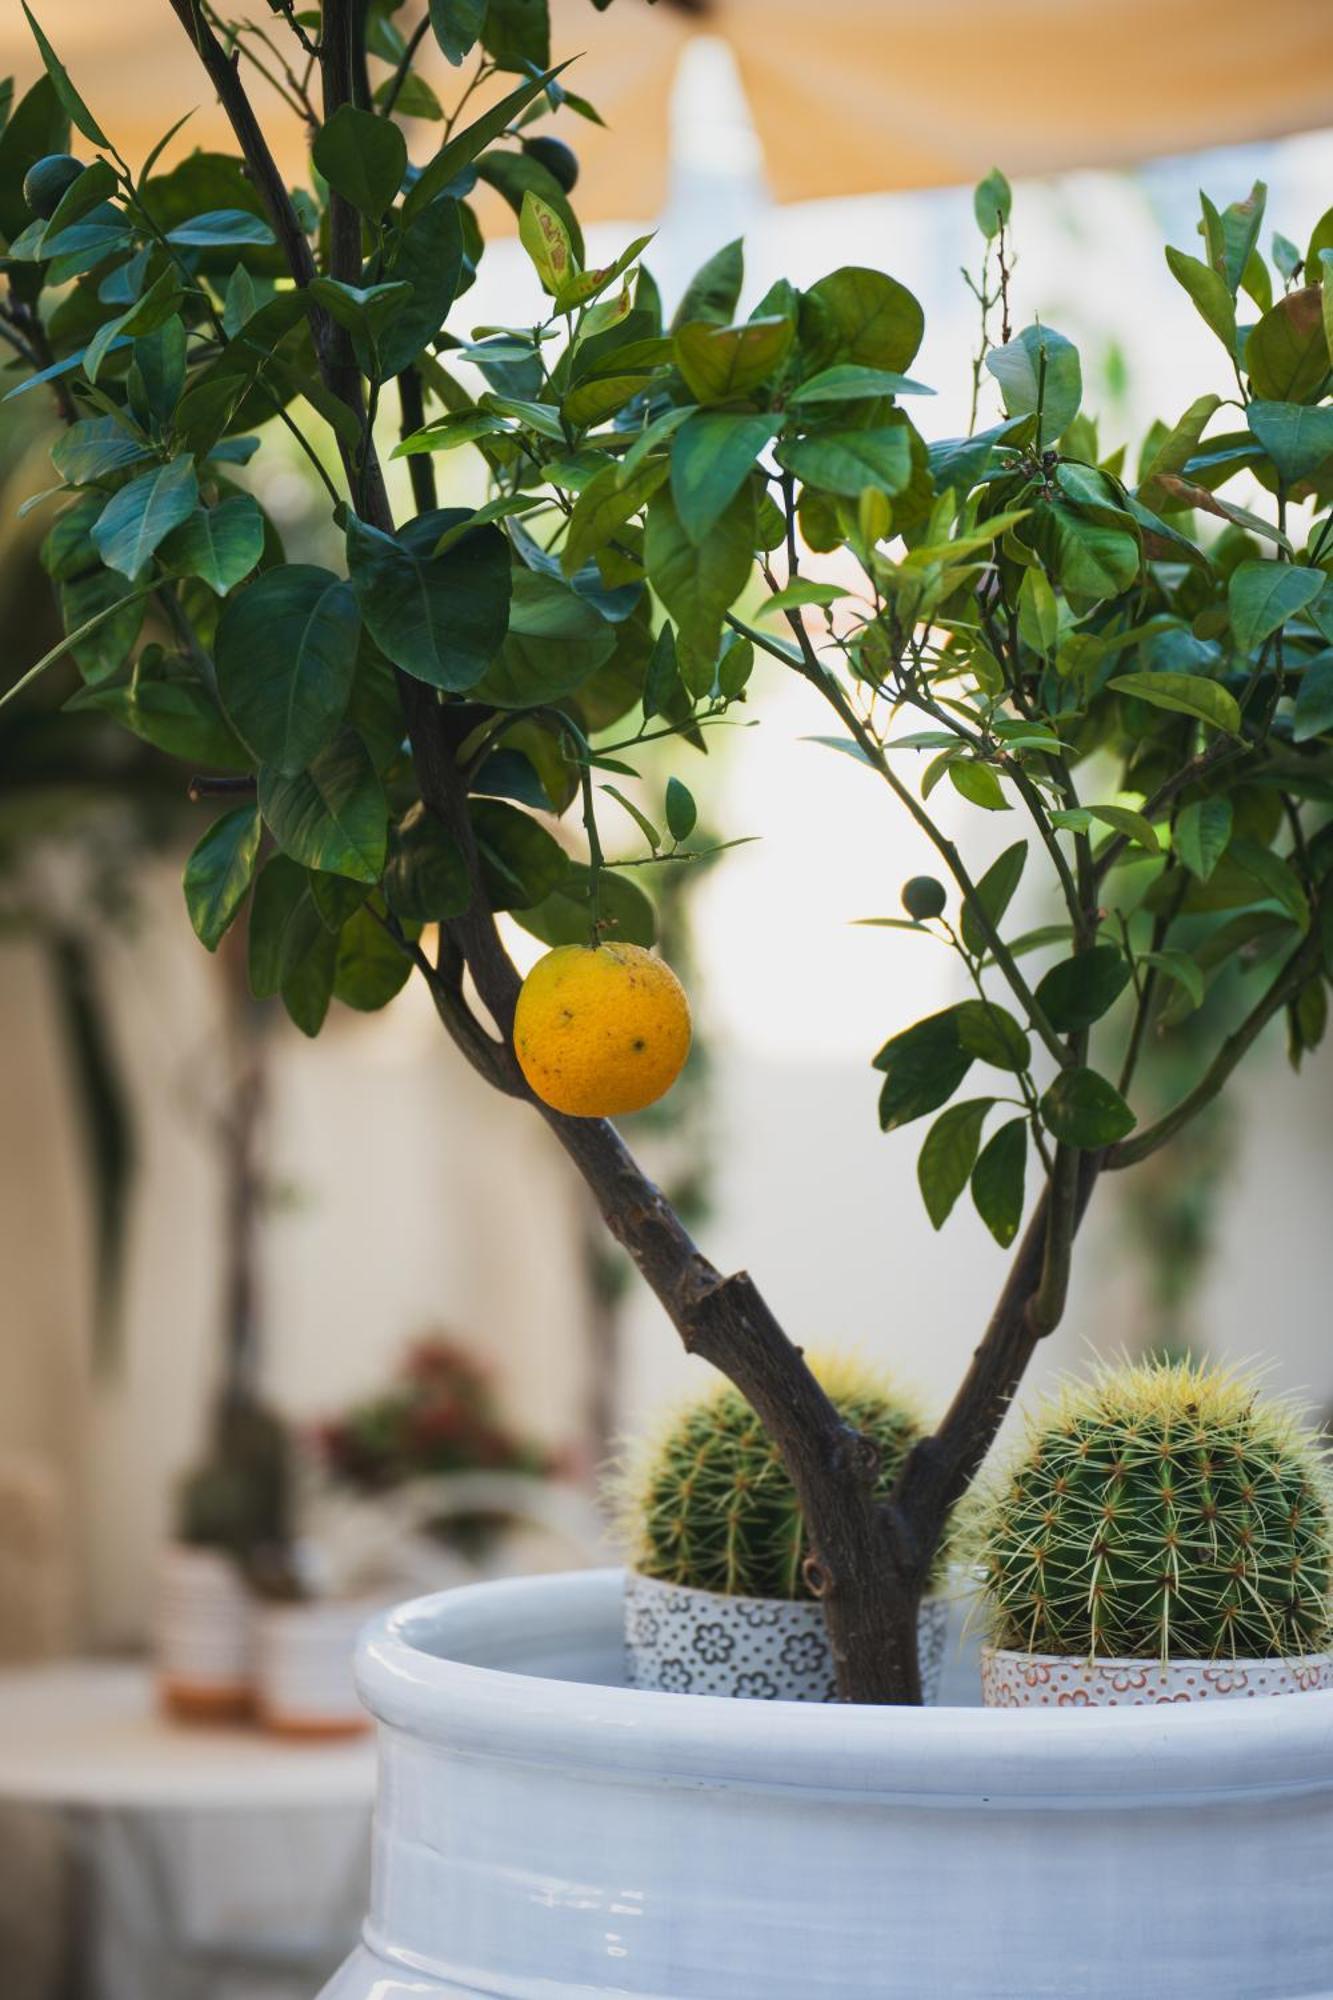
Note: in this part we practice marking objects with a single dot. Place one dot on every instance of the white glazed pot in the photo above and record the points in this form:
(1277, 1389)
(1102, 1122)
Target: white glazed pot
(304, 1655)
(203, 1635)
(1051, 1680)
(545, 1833)
(685, 1641)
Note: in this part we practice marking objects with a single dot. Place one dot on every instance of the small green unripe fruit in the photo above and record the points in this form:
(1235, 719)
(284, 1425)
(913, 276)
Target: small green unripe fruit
(47, 180)
(559, 160)
(924, 897)
(710, 1504)
(1164, 1511)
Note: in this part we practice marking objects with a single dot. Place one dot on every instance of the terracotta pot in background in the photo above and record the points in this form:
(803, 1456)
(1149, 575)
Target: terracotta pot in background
(203, 1633)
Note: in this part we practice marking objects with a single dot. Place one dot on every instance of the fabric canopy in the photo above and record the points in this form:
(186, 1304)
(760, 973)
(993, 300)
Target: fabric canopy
(847, 96)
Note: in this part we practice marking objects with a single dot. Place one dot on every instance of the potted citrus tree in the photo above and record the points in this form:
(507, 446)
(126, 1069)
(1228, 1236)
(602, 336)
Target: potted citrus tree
(1119, 653)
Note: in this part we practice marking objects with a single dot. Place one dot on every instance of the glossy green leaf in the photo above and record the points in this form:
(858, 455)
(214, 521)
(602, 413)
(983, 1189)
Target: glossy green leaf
(848, 383)
(1262, 596)
(463, 147)
(219, 872)
(520, 862)
(722, 363)
(371, 967)
(137, 519)
(845, 462)
(1185, 694)
(566, 915)
(1210, 293)
(442, 618)
(555, 642)
(1202, 831)
(610, 499)
(362, 157)
(75, 109)
(998, 1181)
(282, 885)
(456, 26)
(1085, 1111)
(219, 544)
(698, 585)
(992, 202)
(333, 815)
(427, 254)
(426, 880)
(711, 457)
(715, 289)
(1180, 967)
(1274, 876)
(871, 320)
(994, 892)
(286, 654)
(1078, 991)
(221, 229)
(1039, 368)
(1314, 700)
(948, 1156)
(979, 785)
(922, 1066)
(990, 1033)
(1299, 440)
(681, 811)
(1286, 355)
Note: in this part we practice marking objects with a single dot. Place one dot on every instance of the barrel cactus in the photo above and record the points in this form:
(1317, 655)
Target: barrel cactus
(1164, 1510)
(709, 1504)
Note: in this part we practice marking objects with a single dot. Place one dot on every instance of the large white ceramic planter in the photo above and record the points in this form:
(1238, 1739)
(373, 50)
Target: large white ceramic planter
(545, 1833)
(685, 1641)
(1056, 1680)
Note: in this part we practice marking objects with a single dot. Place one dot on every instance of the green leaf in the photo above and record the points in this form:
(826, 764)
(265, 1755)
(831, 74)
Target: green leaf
(426, 880)
(440, 618)
(923, 1066)
(1079, 990)
(871, 320)
(220, 544)
(847, 383)
(844, 462)
(1133, 825)
(219, 872)
(520, 862)
(979, 785)
(1202, 831)
(1299, 440)
(1038, 613)
(721, 363)
(546, 240)
(1210, 293)
(1314, 700)
(1083, 1110)
(281, 888)
(1039, 369)
(681, 811)
(286, 655)
(1262, 596)
(1176, 450)
(994, 892)
(1185, 694)
(1180, 967)
(710, 459)
(427, 254)
(77, 111)
(221, 229)
(1276, 877)
(309, 960)
(459, 151)
(991, 1034)
(565, 916)
(137, 519)
(93, 448)
(332, 816)
(1286, 356)
(517, 34)
(180, 716)
(606, 503)
(362, 157)
(803, 591)
(371, 966)
(992, 203)
(998, 1181)
(699, 585)
(555, 642)
(948, 1156)
(715, 289)
(457, 25)
(1093, 552)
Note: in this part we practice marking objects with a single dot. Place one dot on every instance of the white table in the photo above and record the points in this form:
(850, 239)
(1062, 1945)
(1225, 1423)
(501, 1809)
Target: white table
(214, 1863)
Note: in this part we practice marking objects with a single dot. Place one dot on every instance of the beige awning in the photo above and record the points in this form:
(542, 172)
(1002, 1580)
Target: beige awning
(847, 96)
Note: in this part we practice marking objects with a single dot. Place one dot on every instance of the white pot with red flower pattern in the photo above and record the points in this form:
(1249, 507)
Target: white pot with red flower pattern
(1052, 1680)
(684, 1641)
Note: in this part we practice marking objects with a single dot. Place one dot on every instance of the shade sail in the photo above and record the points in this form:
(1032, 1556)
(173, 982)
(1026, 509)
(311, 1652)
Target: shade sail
(847, 96)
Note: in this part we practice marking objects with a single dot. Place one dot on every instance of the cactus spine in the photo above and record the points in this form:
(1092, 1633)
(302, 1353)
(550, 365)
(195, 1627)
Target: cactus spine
(710, 1505)
(1166, 1510)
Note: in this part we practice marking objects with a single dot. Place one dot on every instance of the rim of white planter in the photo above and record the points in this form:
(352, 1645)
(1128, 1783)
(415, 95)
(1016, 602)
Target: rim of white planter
(1012, 1679)
(544, 1833)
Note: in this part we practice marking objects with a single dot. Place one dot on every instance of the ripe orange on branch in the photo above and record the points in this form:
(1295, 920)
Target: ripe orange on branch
(601, 1029)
